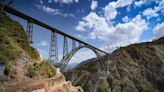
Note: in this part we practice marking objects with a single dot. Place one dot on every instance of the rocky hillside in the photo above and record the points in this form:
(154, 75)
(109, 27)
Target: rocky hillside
(13, 43)
(24, 70)
(135, 68)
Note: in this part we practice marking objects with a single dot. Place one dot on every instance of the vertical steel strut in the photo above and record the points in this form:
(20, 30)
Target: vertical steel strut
(80, 44)
(53, 57)
(73, 44)
(1, 6)
(65, 47)
(29, 31)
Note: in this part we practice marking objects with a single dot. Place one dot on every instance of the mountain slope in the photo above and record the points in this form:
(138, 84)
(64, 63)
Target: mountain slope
(135, 68)
(15, 50)
(24, 71)
(13, 37)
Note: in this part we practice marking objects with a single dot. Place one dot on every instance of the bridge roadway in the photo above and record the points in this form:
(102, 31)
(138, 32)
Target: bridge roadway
(33, 20)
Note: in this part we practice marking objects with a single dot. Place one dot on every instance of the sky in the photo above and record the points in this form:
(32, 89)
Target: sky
(105, 24)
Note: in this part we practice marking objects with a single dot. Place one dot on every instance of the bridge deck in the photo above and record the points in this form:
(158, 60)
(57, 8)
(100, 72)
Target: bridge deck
(28, 18)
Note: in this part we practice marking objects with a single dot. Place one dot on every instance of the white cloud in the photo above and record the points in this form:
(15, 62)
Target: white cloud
(41, 2)
(110, 11)
(122, 32)
(123, 3)
(66, 1)
(49, 1)
(125, 19)
(130, 31)
(111, 47)
(81, 36)
(139, 3)
(94, 5)
(60, 1)
(144, 2)
(82, 55)
(43, 53)
(161, 6)
(54, 11)
(92, 35)
(98, 24)
(128, 8)
(159, 30)
(42, 43)
(148, 2)
(81, 26)
(153, 12)
(149, 13)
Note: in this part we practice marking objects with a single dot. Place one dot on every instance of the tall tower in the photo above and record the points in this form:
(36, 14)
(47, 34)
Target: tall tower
(29, 31)
(65, 47)
(73, 44)
(53, 56)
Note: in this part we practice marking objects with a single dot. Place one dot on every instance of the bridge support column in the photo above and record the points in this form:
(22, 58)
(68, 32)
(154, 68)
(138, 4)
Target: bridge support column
(53, 56)
(80, 44)
(65, 47)
(2, 5)
(73, 44)
(29, 31)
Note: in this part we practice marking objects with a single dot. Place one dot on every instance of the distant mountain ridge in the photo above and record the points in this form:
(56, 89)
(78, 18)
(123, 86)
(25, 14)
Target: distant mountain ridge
(135, 68)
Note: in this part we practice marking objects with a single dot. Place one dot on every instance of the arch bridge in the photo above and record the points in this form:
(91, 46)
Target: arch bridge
(53, 54)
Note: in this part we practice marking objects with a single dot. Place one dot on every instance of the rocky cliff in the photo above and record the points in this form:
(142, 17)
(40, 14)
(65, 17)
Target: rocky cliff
(135, 68)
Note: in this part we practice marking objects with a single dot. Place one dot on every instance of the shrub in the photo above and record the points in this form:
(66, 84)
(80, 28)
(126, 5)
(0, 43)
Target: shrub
(31, 71)
(51, 72)
(41, 70)
(46, 69)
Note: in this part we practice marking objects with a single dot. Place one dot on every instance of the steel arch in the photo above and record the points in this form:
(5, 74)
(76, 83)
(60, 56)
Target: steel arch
(67, 58)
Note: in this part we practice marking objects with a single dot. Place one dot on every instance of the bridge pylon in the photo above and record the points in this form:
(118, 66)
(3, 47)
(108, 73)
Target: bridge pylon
(65, 47)
(53, 56)
(73, 44)
(29, 31)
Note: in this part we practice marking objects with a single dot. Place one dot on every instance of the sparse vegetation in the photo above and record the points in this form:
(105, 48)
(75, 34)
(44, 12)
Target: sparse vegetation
(45, 69)
(13, 38)
(13, 41)
(31, 71)
(41, 70)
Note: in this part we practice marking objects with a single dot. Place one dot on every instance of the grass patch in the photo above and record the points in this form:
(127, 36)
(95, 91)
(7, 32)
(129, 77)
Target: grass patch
(43, 69)
(31, 72)
(13, 41)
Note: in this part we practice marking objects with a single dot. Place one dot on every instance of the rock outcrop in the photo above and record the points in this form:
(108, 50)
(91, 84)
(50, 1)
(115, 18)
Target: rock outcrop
(54, 84)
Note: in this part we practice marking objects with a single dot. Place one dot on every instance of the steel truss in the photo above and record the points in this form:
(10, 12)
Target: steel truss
(65, 47)
(29, 31)
(73, 44)
(66, 59)
(53, 59)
